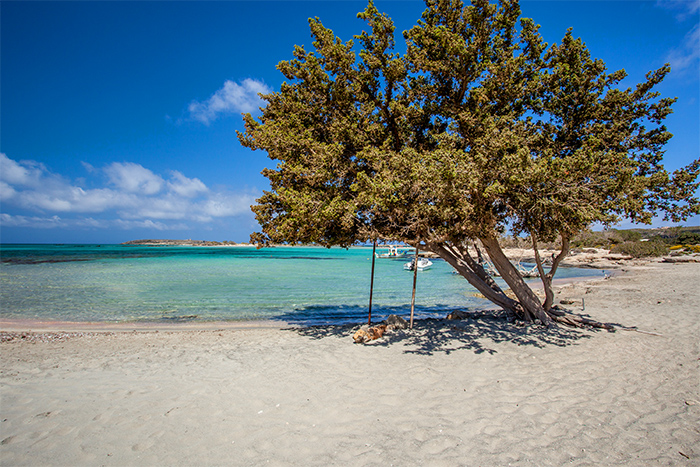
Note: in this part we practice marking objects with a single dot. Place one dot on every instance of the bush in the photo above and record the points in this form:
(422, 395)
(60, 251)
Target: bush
(688, 238)
(590, 239)
(629, 235)
(640, 249)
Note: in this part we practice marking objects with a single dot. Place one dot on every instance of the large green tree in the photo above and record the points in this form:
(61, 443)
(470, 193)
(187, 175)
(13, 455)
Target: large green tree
(478, 128)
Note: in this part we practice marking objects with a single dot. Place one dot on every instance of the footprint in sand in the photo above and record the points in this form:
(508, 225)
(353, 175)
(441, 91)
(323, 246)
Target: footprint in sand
(141, 446)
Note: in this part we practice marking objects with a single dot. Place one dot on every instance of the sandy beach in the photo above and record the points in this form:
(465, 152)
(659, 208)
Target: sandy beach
(472, 392)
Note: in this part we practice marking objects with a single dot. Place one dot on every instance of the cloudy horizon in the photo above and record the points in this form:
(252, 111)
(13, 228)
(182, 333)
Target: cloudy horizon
(122, 195)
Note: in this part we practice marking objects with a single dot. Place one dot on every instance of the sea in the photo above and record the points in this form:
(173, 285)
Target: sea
(297, 285)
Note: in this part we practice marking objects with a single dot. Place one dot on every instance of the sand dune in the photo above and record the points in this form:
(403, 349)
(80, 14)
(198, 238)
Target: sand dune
(473, 392)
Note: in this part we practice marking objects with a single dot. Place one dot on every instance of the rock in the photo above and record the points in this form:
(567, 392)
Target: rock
(396, 322)
(682, 259)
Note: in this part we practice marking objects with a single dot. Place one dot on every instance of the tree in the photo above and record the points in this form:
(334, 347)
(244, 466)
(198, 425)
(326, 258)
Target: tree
(478, 128)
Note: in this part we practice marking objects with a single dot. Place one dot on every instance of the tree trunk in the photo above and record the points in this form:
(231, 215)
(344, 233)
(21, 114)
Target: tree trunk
(476, 266)
(527, 298)
(529, 306)
(475, 275)
(547, 278)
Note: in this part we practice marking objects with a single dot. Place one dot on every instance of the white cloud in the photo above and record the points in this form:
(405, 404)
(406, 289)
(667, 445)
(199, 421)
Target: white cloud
(134, 178)
(685, 8)
(187, 187)
(227, 204)
(6, 192)
(30, 185)
(232, 97)
(53, 222)
(88, 167)
(148, 224)
(12, 172)
(135, 197)
(688, 54)
(24, 173)
(56, 222)
(161, 207)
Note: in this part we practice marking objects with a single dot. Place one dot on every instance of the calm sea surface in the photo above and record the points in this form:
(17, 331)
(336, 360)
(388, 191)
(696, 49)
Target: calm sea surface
(306, 285)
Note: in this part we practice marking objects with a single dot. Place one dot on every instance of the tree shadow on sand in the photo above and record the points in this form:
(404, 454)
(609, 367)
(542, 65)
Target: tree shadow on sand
(479, 333)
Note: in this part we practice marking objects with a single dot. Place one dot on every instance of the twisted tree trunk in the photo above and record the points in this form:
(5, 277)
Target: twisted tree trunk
(547, 278)
(474, 273)
(531, 305)
(528, 306)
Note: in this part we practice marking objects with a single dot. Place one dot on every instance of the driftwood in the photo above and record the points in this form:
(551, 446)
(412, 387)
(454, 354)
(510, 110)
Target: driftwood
(557, 314)
(562, 316)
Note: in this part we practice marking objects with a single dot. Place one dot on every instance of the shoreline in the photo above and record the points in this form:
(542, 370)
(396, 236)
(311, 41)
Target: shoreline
(27, 325)
(31, 325)
(479, 391)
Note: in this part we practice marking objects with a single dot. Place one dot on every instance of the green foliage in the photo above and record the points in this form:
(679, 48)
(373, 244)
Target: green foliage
(478, 126)
(688, 238)
(641, 249)
(598, 239)
(629, 235)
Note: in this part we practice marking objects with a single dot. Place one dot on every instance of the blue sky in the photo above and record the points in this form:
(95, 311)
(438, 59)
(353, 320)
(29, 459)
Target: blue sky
(118, 119)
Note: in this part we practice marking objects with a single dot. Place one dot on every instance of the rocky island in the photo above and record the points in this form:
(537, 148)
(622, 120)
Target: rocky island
(163, 242)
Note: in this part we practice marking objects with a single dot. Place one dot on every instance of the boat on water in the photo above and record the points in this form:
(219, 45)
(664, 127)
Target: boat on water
(423, 263)
(525, 273)
(395, 251)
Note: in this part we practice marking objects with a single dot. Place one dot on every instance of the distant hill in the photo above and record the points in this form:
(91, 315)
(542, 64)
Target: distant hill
(169, 242)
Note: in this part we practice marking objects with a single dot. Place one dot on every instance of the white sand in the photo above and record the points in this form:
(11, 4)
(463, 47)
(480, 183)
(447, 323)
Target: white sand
(476, 392)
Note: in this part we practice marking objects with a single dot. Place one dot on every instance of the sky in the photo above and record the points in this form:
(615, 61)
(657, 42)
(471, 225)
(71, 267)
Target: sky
(118, 119)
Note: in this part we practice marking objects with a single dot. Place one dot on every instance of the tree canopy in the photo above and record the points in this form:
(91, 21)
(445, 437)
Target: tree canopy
(478, 128)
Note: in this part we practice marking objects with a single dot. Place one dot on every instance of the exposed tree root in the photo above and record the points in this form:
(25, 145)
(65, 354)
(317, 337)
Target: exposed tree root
(562, 316)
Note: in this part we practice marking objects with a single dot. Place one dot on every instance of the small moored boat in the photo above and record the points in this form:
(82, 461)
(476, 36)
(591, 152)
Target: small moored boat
(423, 263)
(394, 252)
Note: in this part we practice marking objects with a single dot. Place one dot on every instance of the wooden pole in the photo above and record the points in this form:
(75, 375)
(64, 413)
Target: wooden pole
(371, 283)
(415, 276)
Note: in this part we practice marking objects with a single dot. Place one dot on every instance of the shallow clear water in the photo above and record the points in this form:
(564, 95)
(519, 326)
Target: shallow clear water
(308, 285)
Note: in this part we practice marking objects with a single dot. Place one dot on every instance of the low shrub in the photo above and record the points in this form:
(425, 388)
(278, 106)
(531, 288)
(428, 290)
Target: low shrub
(640, 249)
(629, 235)
(689, 238)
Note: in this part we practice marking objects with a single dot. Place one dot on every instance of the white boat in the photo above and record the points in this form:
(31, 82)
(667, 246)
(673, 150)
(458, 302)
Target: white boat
(423, 263)
(393, 252)
(526, 273)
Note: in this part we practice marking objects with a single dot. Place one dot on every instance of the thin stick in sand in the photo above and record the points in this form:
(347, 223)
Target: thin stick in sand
(415, 276)
(371, 283)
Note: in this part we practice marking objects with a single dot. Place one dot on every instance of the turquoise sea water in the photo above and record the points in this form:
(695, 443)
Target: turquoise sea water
(307, 285)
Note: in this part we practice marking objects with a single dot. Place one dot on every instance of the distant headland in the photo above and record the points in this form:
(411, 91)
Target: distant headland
(166, 242)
